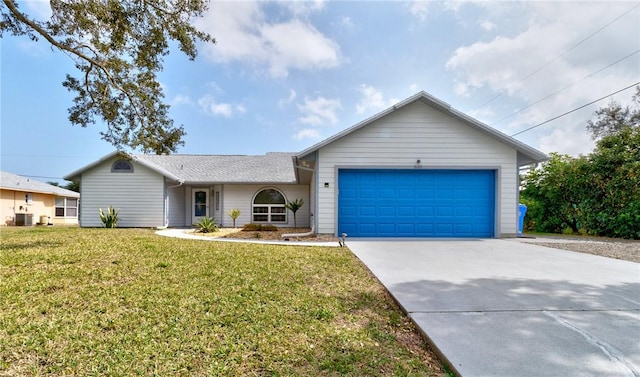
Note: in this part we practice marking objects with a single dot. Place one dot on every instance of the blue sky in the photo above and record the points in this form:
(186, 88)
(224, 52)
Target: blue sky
(285, 75)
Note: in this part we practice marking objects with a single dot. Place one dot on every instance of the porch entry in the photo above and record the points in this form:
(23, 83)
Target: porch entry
(200, 204)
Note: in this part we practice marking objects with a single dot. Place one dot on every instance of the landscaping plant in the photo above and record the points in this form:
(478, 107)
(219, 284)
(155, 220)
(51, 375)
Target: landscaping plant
(596, 194)
(110, 219)
(234, 214)
(294, 207)
(206, 225)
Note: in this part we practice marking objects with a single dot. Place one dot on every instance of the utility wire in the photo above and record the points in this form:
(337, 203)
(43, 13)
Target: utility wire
(561, 55)
(576, 109)
(566, 87)
(40, 176)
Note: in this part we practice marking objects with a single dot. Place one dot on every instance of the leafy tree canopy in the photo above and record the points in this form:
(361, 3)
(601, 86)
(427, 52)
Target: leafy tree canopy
(118, 47)
(612, 118)
(596, 194)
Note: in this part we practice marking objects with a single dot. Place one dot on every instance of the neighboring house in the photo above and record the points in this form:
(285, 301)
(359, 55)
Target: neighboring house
(417, 169)
(25, 201)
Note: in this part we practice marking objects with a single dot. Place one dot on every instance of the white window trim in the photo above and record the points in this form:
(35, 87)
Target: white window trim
(66, 207)
(269, 207)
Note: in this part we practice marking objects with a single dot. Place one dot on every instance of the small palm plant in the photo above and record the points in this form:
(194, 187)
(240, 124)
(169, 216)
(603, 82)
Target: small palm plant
(110, 219)
(294, 207)
(206, 225)
(234, 214)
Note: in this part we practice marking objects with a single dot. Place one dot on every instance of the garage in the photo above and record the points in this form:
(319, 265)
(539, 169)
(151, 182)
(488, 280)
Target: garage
(416, 203)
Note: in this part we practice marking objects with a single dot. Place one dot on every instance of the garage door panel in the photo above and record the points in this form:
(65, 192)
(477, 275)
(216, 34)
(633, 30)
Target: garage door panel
(406, 212)
(416, 203)
(366, 229)
(406, 230)
(387, 211)
(367, 211)
(386, 229)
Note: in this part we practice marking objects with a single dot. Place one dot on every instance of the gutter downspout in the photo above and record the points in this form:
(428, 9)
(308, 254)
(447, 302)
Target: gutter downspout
(313, 224)
(166, 218)
(309, 233)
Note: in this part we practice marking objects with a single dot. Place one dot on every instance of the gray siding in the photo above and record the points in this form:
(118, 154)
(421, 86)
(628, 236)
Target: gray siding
(176, 206)
(240, 196)
(419, 132)
(139, 196)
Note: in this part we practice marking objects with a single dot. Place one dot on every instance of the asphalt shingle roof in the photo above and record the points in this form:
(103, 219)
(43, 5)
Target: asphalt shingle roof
(16, 182)
(269, 168)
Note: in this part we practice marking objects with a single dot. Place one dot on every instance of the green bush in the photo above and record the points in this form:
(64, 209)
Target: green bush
(206, 225)
(110, 219)
(251, 227)
(259, 227)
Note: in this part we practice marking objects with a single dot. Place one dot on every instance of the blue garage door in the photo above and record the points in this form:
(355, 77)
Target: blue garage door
(416, 203)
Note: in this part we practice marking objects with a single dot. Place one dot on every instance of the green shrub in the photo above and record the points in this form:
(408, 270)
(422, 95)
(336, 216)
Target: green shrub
(206, 225)
(251, 227)
(259, 228)
(110, 219)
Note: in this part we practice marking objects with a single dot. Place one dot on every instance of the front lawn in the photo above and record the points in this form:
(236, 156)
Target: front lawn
(129, 302)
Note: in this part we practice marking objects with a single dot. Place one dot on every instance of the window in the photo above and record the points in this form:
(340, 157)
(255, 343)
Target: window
(122, 166)
(66, 207)
(268, 207)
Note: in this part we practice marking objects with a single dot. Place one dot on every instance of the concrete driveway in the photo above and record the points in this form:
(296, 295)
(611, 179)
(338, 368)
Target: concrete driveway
(505, 308)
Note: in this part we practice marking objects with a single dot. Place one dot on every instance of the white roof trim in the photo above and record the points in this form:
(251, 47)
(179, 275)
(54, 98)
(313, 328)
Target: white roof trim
(150, 165)
(531, 153)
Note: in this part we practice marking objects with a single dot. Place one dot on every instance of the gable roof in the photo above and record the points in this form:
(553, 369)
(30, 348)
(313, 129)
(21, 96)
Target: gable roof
(76, 174)
(526, 154)
(10, 181)
(186, 168)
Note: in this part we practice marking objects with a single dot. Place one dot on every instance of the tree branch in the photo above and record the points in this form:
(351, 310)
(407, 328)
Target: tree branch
(34, 25)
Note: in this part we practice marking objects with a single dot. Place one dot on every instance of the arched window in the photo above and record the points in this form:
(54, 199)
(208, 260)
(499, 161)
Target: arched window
(268, 207)
(122, 166)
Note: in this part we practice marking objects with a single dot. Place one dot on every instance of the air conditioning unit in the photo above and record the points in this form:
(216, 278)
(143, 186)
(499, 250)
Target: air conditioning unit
(24, 219)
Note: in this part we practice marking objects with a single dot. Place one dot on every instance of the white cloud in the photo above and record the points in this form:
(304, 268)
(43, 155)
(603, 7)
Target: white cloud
(245, 34)
(487, 25)
(303, 8)
(347, 22)
(373, 99)
(39, 9)
(419, 9)
(307, 133)
(542, 49)
(288, 100)
(210, 106)
(414, 88)
(181, 100)
(320, 111)
(572, 142)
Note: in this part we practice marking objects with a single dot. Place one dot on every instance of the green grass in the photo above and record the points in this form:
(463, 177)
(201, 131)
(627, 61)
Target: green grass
(129, 302)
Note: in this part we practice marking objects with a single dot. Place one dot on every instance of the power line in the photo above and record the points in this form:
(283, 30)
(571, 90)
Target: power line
(39, 155)
(566, 87)
(561, 55)
(576, 109)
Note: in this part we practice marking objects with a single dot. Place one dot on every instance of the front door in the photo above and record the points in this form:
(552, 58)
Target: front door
(200, 200)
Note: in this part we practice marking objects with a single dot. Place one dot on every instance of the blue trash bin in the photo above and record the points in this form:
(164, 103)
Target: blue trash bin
(522, 210)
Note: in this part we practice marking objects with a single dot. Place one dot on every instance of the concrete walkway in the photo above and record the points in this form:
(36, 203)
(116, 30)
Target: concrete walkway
(507, 308)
